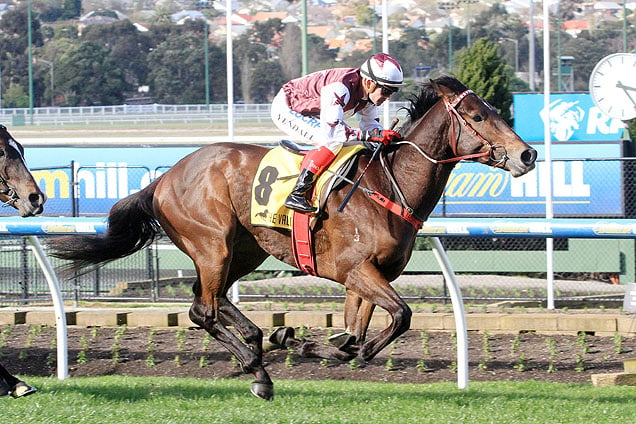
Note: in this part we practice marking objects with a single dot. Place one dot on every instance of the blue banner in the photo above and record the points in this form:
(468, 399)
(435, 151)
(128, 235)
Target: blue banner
(103, 175)
(580, 187)
(572, 117)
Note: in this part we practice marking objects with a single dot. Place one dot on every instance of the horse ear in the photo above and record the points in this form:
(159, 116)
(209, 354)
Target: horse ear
(442, 90)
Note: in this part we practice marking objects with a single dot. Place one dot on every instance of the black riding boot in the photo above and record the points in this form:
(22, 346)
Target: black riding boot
(296, 200)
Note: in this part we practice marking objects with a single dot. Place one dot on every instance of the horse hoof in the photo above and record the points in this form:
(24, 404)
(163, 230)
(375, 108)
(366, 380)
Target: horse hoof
(22, 389)
(342, 340)
(280, 336)
(262, 390)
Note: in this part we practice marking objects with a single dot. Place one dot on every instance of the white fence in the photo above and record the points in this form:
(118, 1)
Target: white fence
(144, 114)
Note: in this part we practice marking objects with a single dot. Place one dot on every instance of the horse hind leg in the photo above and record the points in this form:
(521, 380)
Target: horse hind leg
(286, 337)
(209, 318)
(344, 346)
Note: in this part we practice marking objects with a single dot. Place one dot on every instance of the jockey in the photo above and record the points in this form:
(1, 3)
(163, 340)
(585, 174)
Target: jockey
(315, 106)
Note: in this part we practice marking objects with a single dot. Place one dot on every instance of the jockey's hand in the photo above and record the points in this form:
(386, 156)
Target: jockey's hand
(381, 136)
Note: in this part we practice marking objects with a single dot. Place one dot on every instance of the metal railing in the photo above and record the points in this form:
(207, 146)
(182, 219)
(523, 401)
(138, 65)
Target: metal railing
(144, 114)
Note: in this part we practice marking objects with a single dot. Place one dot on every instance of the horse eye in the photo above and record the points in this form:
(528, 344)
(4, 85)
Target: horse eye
(477, 118)
(1, 152)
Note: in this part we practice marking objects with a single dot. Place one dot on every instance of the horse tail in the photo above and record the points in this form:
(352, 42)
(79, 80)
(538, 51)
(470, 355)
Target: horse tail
(131, 227)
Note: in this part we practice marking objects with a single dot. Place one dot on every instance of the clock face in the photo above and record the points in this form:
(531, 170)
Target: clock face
(613, 85)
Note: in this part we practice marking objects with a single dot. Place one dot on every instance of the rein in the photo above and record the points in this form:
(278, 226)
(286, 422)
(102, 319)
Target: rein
(404, 210)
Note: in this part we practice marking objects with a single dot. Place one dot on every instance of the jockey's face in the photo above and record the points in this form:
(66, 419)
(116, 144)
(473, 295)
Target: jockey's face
(378, 94)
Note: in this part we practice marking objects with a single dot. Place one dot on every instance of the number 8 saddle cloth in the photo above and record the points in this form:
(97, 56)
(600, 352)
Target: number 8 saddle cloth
(276, 177)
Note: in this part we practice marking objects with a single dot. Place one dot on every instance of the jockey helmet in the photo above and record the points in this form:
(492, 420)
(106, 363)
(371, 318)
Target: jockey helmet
(383, 69)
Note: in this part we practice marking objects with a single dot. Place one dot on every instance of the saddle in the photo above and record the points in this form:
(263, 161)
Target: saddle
(277, 174)
(275, 179)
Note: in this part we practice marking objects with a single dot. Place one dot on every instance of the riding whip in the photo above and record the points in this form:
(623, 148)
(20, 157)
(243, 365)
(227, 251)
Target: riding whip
(357, 182)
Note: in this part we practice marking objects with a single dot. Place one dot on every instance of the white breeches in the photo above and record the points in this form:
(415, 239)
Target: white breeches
(296, 125)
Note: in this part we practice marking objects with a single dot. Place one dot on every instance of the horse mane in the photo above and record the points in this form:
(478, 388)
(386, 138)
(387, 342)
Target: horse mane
(427, 97)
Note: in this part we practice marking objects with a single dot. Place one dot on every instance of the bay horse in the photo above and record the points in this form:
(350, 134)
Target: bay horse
(19, 190)
(203, 204)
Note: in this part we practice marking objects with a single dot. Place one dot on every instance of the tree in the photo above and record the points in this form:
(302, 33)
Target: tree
(87, 75)
(482, 70)
(365, 15)
(290, 52)
(252, 48)
(15, 96)
(497, 24)
(319, 55)
(57, 10)
(410, 52)
(267, 80)
(126, 46)
(177, 71)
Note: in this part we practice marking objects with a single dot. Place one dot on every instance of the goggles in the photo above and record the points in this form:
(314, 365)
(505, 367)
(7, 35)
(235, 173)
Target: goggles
(387, 91)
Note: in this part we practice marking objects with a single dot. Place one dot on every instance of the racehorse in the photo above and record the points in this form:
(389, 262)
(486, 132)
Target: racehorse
(17, 186)
(19, 190)
(203, 204)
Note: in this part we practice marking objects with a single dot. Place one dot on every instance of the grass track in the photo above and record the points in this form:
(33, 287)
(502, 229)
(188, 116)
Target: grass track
(159, 400)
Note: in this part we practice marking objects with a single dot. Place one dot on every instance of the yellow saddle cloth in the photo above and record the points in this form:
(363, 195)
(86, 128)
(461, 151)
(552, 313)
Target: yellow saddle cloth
(275, 179)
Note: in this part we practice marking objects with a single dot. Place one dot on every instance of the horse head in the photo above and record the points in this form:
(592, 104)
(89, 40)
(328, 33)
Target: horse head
(474, 129)
(17, 186)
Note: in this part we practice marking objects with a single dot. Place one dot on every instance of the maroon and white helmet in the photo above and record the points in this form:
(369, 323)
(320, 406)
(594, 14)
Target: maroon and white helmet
(383, 69)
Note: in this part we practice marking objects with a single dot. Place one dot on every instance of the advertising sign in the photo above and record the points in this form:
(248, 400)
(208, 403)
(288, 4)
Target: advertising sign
(581, 186)
(572, 118)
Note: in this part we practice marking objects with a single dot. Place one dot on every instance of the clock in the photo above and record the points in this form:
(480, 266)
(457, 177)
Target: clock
(613, 85)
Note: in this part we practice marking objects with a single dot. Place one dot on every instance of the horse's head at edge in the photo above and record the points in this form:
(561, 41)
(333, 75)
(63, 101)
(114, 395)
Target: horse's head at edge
(480, 129)
(18, 188)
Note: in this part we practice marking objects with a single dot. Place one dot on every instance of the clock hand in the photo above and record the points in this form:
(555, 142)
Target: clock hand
(625, 88)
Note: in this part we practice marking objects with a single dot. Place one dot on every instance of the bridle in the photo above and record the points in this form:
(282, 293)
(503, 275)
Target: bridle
(455, 116)
(8, 191)
(405, 211)
(402, 209)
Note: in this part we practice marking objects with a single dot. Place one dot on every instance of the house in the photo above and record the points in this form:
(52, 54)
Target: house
(575, 26)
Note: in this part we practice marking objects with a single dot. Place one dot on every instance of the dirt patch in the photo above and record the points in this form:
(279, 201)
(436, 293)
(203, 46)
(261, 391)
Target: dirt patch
(416, 357)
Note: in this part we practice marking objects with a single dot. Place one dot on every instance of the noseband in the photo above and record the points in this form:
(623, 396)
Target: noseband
(9, 192)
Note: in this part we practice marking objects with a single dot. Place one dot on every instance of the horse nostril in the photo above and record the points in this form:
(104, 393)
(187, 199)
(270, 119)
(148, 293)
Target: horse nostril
(528, 156)
(35, 199)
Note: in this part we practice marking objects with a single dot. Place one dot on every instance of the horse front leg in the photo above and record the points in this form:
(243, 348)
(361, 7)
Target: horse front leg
(370, 285)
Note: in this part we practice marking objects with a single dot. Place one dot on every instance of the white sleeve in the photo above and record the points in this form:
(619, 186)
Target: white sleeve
(370, 118)
(333, 98)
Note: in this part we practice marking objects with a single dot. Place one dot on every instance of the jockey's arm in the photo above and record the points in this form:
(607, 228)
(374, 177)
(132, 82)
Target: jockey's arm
(335, 130)
(370, 118)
